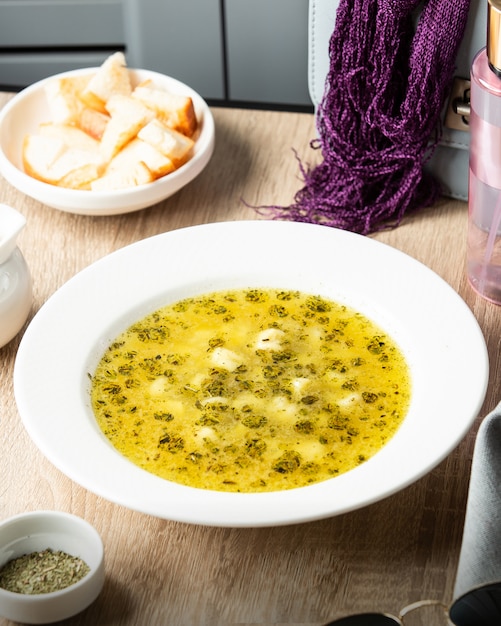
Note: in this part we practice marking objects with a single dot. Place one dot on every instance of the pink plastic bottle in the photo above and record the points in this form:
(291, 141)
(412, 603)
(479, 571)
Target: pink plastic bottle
(484, 195)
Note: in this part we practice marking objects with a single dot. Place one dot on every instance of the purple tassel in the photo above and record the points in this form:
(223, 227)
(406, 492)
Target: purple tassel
(378, 122)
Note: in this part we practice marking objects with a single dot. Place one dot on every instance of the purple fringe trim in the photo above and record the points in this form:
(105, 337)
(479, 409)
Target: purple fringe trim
(379, 120)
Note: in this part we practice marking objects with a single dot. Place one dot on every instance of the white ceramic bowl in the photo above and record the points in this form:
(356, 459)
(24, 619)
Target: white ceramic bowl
(16, 289)
(433, 326)
(29, 108)
(39, 530)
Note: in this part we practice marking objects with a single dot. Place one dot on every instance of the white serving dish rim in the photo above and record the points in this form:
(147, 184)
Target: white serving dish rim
(417, 307)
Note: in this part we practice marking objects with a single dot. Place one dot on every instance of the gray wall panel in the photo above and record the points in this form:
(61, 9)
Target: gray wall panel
(268, 50)
(253, 51)
(55, 23)
(181, 38)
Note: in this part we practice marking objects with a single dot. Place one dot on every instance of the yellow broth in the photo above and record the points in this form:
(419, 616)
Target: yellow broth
(251, 390)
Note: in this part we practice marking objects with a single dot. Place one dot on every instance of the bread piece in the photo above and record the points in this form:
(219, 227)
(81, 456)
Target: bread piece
(63, 98)
(71, 136)
(138, 151)
(111, 78)
(39, 154)
(50, 160)
(175, 111)
(174, 145)
(81, 161)
(93, 122)
(128, 116)
(136, 174)
(81, 176)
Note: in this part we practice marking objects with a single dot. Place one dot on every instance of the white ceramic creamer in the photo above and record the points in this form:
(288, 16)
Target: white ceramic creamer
(15, 278)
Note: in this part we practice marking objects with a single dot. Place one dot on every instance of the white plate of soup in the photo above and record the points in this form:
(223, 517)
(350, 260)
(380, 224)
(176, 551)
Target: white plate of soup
(432, 328)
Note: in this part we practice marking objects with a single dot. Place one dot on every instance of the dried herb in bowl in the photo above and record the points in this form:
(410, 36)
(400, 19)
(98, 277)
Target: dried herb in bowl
(40, 572)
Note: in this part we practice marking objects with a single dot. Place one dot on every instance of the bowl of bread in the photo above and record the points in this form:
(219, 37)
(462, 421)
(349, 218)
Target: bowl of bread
(105, 140)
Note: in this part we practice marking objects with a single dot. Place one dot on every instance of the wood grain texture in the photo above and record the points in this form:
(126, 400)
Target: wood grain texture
(385, 556)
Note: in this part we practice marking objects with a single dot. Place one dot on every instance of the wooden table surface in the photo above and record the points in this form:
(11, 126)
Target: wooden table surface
(382, 557)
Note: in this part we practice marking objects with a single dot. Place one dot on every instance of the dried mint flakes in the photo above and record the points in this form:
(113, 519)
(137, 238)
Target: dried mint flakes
(43, 571)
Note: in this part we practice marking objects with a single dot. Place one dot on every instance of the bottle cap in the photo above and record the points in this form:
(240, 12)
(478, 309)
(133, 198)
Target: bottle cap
(494, 35)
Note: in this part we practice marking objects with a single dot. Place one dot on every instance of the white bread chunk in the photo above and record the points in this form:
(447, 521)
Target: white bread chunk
(63, 98)
(172, 144)
(138, 151)
(39, 154)
(174, 110)
(128, 116)
(81, 175)
(71, 136)
(80, 162)
(225, 359)
(136, 174)
(50, 160)
(270, 339)
(111, 78)
(93, 122)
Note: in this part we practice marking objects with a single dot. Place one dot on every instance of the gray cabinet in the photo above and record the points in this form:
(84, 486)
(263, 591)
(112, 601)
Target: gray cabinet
(43, 37)
(181, 38)
(267, 51)
(232, 51)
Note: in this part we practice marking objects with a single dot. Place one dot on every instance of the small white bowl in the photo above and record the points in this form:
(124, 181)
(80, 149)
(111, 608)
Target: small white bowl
(40, 530)
(16, 289)
(26, 110)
